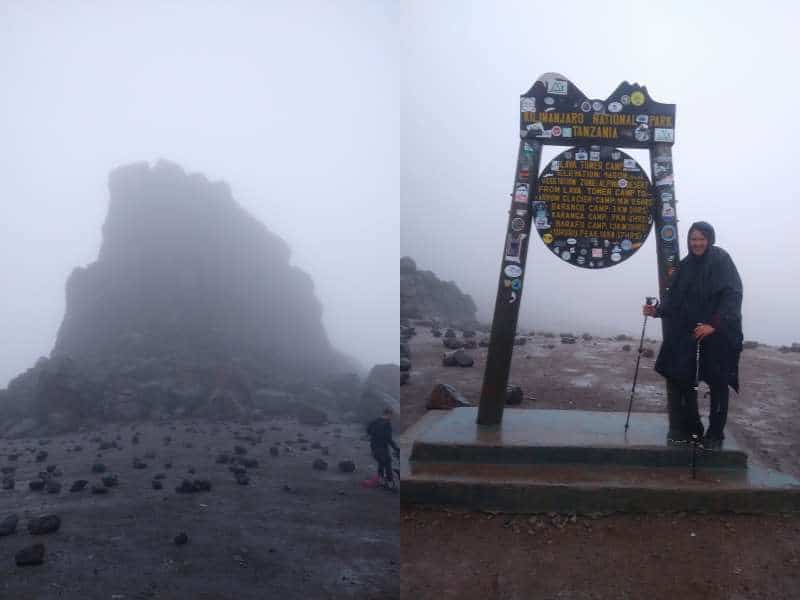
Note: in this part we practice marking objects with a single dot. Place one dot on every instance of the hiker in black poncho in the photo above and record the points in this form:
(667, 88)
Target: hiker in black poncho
(703, 305)
(380, 438)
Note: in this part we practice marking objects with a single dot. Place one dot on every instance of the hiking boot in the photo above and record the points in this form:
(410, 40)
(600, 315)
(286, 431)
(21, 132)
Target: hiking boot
(712, 443)
(677, 438)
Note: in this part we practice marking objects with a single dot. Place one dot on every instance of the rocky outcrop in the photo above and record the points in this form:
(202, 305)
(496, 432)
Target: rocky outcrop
(424, 295)
(191, 308)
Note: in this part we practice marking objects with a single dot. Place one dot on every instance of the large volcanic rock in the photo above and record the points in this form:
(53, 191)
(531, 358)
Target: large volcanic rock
(424, 295)
(191, 305)
(185, 271)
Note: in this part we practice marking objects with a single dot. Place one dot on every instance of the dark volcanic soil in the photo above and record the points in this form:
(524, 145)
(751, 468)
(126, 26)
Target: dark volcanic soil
(449, 554)
(293, 532)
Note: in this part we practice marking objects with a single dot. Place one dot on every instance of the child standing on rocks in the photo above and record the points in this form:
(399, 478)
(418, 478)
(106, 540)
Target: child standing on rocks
(380, 438)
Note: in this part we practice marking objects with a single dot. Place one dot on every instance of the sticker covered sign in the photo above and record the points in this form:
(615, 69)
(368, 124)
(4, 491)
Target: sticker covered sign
(601, 208)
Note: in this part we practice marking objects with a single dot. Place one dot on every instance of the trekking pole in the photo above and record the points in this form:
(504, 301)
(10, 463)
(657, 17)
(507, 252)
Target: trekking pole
(649, 301)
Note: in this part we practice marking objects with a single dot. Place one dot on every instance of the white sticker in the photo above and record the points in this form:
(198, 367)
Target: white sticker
(623, 183)
(597, 253)
(527, 104)
(629, 163)
(582, 155)
(557, 86)
(586, 106)
(566, 255)
(614, 107)
(594, 155)
(597, 105)
(572, 241)
(549, 100)
(555, 165)
(555, 131)
(566, 132)
(664, 135)
(616, 256)
(513, 271)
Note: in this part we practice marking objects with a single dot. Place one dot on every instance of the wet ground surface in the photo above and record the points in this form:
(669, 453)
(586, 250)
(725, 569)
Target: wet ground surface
(292, 532)
(449, 554)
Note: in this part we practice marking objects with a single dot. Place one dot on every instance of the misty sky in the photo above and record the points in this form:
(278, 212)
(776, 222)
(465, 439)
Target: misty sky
(730, 69)
(294, 104)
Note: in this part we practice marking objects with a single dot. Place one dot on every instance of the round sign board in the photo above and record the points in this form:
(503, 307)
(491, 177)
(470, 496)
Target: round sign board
(593, 206)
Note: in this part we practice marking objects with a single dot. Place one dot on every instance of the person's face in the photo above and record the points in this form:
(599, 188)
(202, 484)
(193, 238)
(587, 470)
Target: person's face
(698, 244)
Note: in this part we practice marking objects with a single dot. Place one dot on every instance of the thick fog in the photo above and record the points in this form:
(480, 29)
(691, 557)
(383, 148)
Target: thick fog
(293, 104)
(728, 67)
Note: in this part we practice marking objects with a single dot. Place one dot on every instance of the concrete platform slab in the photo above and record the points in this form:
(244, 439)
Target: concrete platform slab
(564, 437)
(455, 463)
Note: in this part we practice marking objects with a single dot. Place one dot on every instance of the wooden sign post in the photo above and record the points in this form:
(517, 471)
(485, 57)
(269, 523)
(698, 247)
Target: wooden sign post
(593, 205)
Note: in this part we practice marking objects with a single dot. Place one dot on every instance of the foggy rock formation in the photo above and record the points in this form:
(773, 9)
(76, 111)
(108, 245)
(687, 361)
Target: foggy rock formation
(191, 308)
(424, 295)
(185, 272)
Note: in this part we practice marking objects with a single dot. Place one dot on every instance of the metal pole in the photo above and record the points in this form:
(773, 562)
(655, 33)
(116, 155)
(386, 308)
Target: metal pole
(649, 302)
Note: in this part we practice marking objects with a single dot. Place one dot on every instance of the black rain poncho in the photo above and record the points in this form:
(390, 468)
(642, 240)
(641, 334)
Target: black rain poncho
(704, 289)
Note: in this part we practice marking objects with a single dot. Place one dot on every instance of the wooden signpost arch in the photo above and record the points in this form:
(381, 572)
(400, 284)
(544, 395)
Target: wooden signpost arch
(591, 206)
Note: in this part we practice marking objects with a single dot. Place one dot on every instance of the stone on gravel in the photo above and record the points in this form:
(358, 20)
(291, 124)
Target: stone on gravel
(98, 468)
(320, 465)
(31, 555)
(78, 485)
(36, 485)
(181, 539)
(9, 524)
(457, 358)
(514, 395)
(347, 466)
(444, 396)
(44, 524)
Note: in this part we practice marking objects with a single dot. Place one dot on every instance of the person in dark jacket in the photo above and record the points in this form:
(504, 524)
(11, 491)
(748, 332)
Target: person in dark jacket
(702, 309)
(380, 438)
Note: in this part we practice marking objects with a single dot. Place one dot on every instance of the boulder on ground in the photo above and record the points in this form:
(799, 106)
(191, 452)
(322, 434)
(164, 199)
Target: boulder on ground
(457, 358)
(445, 397)
(513, 395)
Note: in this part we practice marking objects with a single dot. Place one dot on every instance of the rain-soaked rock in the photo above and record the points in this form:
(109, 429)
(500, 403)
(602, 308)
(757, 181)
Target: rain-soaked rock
(347, 466)
(52, 486)
(436, 333)
(457, 358)
(568, 339)
(470, 345)
(185, 487)
(452, 343)
(138, 463)
(8, 483)
(99, 489)
(9, 524)
(110, 480)
(648, 353)
(41, 456)
(444, 396)
(31, 555)
(274, 451)
(320, 465)
(202, 485)
(242, 479)
(626, 348)
(79, 485)
(44, 524)
(157, 484)
(181, 539)
(36, 485)
(514, 395)
(98, 468)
